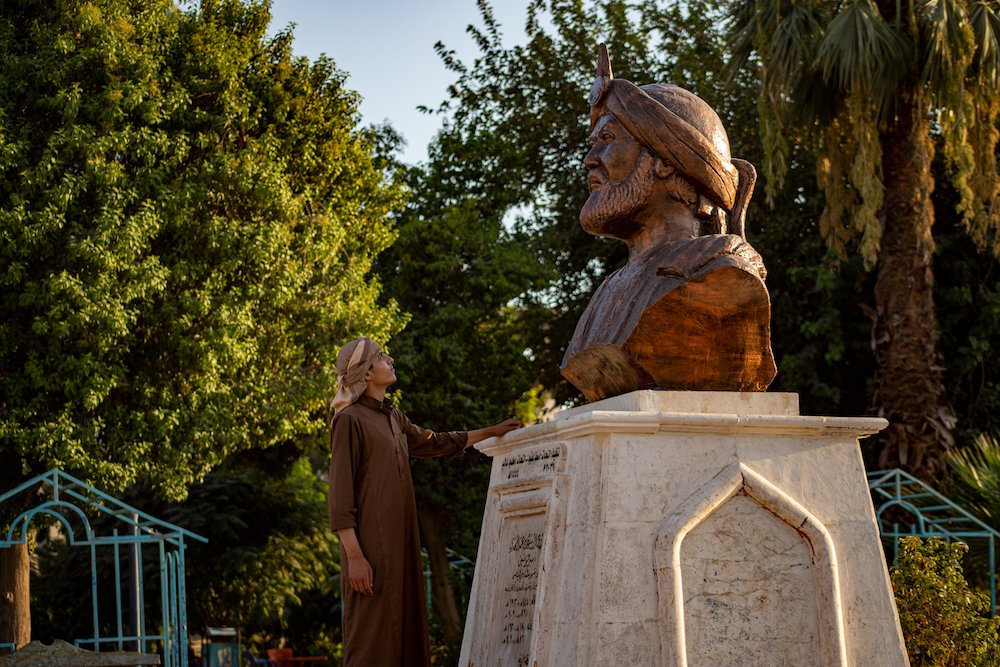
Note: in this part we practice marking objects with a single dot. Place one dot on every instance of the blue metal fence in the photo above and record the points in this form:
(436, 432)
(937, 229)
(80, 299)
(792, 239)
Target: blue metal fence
(72, 502)
(934, 515)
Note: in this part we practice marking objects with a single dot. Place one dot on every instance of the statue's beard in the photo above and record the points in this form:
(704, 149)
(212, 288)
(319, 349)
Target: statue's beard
(609, 210)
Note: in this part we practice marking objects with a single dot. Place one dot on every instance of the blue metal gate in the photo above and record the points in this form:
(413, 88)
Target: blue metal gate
(72, 502)
(932, 515)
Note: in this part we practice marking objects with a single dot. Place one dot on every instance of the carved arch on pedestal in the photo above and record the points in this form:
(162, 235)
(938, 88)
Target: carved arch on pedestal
(734, 479)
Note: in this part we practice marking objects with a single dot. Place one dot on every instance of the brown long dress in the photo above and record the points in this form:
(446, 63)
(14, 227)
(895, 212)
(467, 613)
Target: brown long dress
(371, 491)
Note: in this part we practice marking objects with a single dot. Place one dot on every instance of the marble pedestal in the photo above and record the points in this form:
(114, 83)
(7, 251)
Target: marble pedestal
(682, 528)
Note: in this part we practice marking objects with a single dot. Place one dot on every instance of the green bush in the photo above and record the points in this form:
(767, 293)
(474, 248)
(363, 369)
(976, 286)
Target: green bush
(944, 622)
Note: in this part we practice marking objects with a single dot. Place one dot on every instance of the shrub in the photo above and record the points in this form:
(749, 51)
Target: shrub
(944, 622)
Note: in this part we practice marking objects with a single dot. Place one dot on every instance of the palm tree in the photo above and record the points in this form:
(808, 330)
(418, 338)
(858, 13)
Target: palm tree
(873, 87)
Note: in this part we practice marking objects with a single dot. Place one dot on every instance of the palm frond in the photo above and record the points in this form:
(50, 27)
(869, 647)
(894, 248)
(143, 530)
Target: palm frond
(947, 40)
(742, 22)
(861, 52)
(831, 176)
(976, 478)
(848, 173)
(815, 101)
(779, 37)
(985, 24)
(792, 46)
(961, 51)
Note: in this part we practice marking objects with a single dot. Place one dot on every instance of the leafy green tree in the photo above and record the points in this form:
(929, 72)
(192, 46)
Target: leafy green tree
(871, 87)
(188, 218)
(271, 544)
(945, 624)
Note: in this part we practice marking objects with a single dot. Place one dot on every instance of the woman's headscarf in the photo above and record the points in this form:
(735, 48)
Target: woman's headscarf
(353, 362)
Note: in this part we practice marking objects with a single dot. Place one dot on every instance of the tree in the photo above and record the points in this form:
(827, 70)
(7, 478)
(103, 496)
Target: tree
(871, 87)
(188, 217)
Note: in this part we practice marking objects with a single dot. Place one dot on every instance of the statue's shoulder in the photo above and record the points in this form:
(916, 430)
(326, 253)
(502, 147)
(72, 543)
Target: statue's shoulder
(691, 258)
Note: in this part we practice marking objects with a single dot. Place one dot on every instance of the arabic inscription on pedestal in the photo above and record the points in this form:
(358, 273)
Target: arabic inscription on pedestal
(521, 551)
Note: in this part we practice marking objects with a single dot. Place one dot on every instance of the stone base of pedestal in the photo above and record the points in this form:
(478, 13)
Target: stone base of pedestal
(682, 528)
(63, 654)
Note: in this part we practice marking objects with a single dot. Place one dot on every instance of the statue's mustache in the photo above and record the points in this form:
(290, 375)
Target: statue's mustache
(596, 178)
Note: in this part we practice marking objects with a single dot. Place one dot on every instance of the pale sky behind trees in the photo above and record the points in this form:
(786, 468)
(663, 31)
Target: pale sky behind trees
(387, 49)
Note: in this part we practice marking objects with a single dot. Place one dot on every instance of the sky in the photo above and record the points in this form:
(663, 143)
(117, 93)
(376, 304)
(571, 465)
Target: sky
(387, 49)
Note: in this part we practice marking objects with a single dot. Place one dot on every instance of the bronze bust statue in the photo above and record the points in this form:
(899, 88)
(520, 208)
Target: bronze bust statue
(689, 310)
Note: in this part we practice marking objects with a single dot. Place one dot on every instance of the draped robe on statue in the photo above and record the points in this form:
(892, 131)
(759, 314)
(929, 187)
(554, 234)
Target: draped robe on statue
(371, 491)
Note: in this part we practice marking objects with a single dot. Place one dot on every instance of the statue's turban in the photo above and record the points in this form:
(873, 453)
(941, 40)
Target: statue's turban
(678, 126)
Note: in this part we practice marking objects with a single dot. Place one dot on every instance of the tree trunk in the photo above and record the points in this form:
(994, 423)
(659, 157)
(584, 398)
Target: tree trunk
(15, 612)
(433, 522)
(909, 391)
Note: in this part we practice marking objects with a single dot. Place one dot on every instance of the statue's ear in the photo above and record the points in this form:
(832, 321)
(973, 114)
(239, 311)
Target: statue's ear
(662, 168)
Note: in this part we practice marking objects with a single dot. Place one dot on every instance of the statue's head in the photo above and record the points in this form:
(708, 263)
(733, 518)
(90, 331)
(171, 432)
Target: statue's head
(659, 141)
